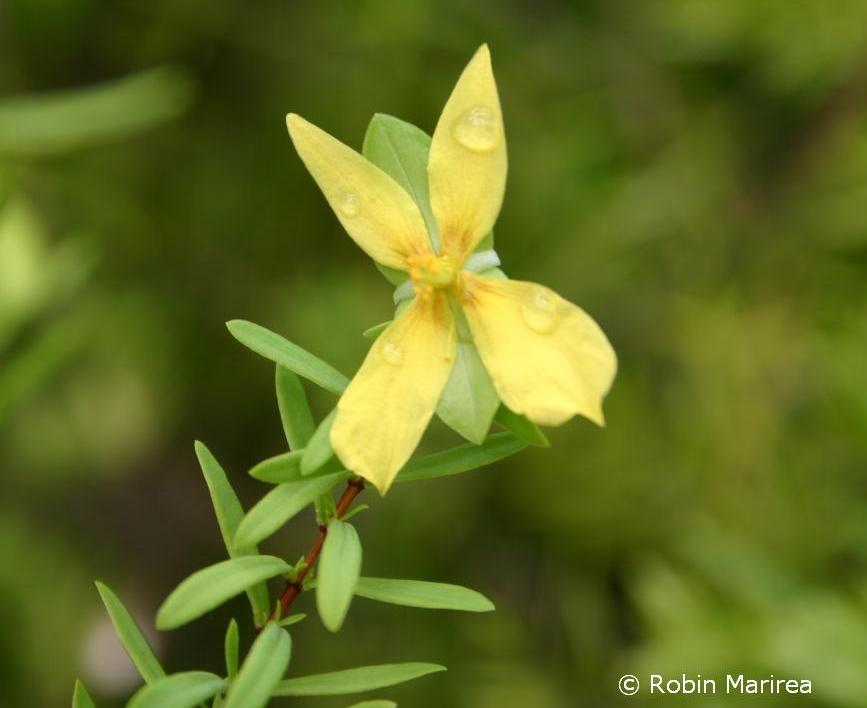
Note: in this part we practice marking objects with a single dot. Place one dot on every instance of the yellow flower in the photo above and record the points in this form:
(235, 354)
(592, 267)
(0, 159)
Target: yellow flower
(547, 358)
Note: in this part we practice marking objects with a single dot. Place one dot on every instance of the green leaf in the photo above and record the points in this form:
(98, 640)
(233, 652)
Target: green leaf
(462, 458)
(286, 467)
(229, 514)
(298, 424)
(400, 149)
(289, 620)
(523, 428)
(365, 678)
(212, 586)
(230, 650)
(381, 703)
(280, 468)
(283, 352)
(469, 401)
(131, 636)
(58, 122)
(339, 569)
(376, 330)
(80, 697)
(420, 593)
(262, 670)
(357, 509)
(319, 450)
(281, 504)
(182, 690)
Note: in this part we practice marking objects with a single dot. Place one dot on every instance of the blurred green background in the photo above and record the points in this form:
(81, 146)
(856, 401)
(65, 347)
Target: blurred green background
(692, 172)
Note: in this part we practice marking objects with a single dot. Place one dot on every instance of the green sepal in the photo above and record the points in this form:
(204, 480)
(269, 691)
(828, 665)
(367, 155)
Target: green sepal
(401, 149)
(468, 401)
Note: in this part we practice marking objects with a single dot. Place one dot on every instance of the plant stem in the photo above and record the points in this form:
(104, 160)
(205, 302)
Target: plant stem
(293, 588)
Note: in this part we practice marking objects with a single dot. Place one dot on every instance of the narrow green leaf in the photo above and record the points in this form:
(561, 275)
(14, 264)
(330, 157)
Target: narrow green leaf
(420, 593)
(183, 690)
(229, 514)
(80, 697)
(462, 458)
(68, 120)
(285, 467)
(376, 330)
(131, 636)
(230, 645)
(289, 620)
(281, 504)
(262, 669)
(318, 450)
(298, 424)
(523, 428)
(357, 509)
(365, 678)
(212, 586)
(380, 703)
(283, 352)
(339, 569)
(469, 401)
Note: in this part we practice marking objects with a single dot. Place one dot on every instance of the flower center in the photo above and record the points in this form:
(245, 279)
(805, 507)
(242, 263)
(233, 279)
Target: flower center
(432, 272)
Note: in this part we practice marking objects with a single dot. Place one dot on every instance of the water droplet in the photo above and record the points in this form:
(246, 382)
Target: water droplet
(349, 204)
(392, 353)
(477, 129)
(540, 311)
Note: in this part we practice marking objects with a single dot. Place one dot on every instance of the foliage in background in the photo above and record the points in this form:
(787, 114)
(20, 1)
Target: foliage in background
(692, 171)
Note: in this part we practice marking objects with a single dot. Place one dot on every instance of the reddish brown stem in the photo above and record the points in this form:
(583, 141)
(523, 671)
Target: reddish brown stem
(293, 588)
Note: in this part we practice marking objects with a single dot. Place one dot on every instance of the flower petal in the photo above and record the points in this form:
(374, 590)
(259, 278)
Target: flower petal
(467, 162)
(374, 209)
(547, 358)
(387, 406)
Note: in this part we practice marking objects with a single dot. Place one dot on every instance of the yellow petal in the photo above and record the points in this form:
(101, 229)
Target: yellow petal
(374, 209)
(467, 163)
(547, 358)
(387, 406)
